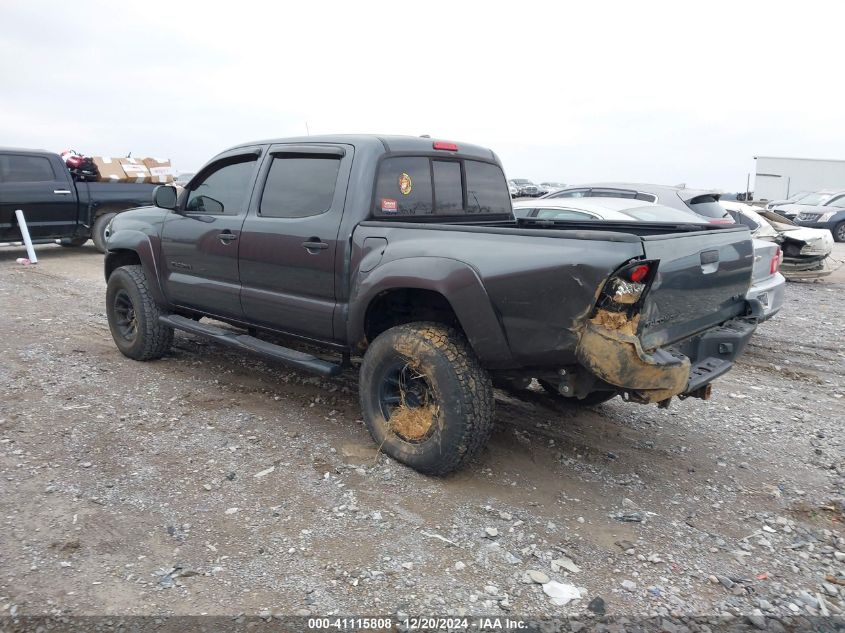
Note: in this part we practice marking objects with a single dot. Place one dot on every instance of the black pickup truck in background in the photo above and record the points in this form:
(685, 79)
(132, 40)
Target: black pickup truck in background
(405, 251)
(55, 206)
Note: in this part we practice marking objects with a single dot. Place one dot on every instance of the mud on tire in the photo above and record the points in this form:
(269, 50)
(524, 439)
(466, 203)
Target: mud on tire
(425, 398)
(133, 315)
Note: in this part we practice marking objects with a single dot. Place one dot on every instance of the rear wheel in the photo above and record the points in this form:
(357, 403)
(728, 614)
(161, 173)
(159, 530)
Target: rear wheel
(839, 232)
(133, 316)
(425, 398)
(590, 400)
(98, 231)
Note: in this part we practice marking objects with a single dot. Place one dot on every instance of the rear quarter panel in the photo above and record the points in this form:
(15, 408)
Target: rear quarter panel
(521, 298)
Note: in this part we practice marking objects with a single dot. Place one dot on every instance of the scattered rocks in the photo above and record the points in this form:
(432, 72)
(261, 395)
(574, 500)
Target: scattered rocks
(537, 576)
(629, 585)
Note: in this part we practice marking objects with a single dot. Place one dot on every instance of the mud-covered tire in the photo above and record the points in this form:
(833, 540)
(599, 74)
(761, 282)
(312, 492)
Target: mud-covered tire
(98, 231)
(73, 242)
(133, 315)
(839, 232)
(458, 389)
(590, 400)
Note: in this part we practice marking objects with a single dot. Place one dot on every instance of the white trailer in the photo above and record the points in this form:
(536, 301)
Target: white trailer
(777, 178)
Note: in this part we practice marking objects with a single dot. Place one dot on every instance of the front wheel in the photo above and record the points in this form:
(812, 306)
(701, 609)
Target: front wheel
(839, 232)
(425, 398)
(590, 400)
(133, 315)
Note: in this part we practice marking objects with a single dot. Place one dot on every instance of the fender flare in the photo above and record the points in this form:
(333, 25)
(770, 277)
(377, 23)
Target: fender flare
(141, 244)
(455, 280)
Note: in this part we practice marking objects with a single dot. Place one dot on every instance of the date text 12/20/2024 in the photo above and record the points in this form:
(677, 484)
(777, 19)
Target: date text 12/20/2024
(420, 623)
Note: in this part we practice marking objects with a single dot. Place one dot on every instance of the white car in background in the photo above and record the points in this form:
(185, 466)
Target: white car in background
(767, 284)
(806, 251)
(552, 187)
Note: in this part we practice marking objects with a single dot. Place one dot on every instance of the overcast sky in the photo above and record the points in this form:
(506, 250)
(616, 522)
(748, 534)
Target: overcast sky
(663, 92)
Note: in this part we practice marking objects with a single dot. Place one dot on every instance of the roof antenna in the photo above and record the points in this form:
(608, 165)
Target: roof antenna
(307, 131)
(425, 135)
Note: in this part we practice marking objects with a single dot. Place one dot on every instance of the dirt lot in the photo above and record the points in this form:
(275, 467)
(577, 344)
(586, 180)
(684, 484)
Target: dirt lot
(210, 482)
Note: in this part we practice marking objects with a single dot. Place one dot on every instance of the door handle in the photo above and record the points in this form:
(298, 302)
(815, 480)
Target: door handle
(61, 192)
(314, 245)
(227, 236)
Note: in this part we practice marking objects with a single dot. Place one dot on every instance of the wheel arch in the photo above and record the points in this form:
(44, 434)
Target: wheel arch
(427, 289)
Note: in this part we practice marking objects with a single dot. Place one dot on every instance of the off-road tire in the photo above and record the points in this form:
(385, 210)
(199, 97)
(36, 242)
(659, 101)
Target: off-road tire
(460, 389)
(73, 242)
(839, 232)
(98, 231)
(591, 399)
(151, 339)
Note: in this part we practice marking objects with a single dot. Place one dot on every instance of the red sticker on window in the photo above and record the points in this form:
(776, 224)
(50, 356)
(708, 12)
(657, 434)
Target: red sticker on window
(389, 205)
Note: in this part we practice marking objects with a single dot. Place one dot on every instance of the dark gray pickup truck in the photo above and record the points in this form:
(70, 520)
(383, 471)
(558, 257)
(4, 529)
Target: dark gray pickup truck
(54, 205)
(404, 251)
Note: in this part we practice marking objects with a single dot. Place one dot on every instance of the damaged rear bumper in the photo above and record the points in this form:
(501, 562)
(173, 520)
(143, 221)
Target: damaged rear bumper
(683, 369)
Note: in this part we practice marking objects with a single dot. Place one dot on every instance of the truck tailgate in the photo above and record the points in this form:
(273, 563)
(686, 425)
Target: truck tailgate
(701, 281)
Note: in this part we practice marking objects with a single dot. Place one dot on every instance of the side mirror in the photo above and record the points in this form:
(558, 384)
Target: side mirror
(165, 196)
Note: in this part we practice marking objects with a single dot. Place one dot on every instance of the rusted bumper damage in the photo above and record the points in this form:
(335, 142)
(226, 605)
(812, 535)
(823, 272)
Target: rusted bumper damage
(610, 349)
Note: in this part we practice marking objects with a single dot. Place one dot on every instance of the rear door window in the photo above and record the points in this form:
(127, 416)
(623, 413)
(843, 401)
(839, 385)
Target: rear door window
(404, 187)
(299, 186)
(612, 193)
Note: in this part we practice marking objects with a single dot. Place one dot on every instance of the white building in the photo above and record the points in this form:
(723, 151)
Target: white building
(778, 178)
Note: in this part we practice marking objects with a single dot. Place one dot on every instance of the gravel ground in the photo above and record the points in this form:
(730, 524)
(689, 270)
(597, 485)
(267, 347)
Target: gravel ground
(213, 483)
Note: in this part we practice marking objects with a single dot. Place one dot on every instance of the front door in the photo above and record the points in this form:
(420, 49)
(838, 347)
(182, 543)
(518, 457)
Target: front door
(289, 241)
(200, 241)
(48, 199)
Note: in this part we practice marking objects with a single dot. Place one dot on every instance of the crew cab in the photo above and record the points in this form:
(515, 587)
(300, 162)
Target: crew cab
(55, 206)
(404, 251)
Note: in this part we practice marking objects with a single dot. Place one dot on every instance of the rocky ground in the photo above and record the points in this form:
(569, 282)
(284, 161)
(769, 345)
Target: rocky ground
(213, 483)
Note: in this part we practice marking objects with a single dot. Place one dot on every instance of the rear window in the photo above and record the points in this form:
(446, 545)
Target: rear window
(708, 206)
(486, 188)
(420, 186)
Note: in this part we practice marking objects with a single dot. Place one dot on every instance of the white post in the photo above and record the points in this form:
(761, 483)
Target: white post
(30, 251)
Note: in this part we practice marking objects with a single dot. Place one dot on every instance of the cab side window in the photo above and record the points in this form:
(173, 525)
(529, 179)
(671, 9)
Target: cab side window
(299, 186)
(25, 169)
(223, 191)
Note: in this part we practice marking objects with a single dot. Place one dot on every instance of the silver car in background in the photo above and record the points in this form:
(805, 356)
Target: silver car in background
(702, 202)
(767, 284)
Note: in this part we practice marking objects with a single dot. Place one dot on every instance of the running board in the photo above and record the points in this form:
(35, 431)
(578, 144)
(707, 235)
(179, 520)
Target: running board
(285, 355)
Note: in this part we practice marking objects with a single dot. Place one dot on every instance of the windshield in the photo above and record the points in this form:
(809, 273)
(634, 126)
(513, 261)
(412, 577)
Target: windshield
(816, 198)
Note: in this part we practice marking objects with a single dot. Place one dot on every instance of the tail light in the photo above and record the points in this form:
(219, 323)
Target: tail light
(624, 290)
(722, 221)
(774, 264)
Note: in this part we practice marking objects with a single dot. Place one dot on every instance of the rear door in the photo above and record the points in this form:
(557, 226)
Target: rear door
(43, 190)
(290, 239)
(199, 242)
(701, 281)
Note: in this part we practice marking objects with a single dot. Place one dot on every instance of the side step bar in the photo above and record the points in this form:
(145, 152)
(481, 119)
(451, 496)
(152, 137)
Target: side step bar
(250, 343)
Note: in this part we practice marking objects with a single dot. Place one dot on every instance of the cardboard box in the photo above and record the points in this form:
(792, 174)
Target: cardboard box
(109, 168)
(135, 169)
(161, 171)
